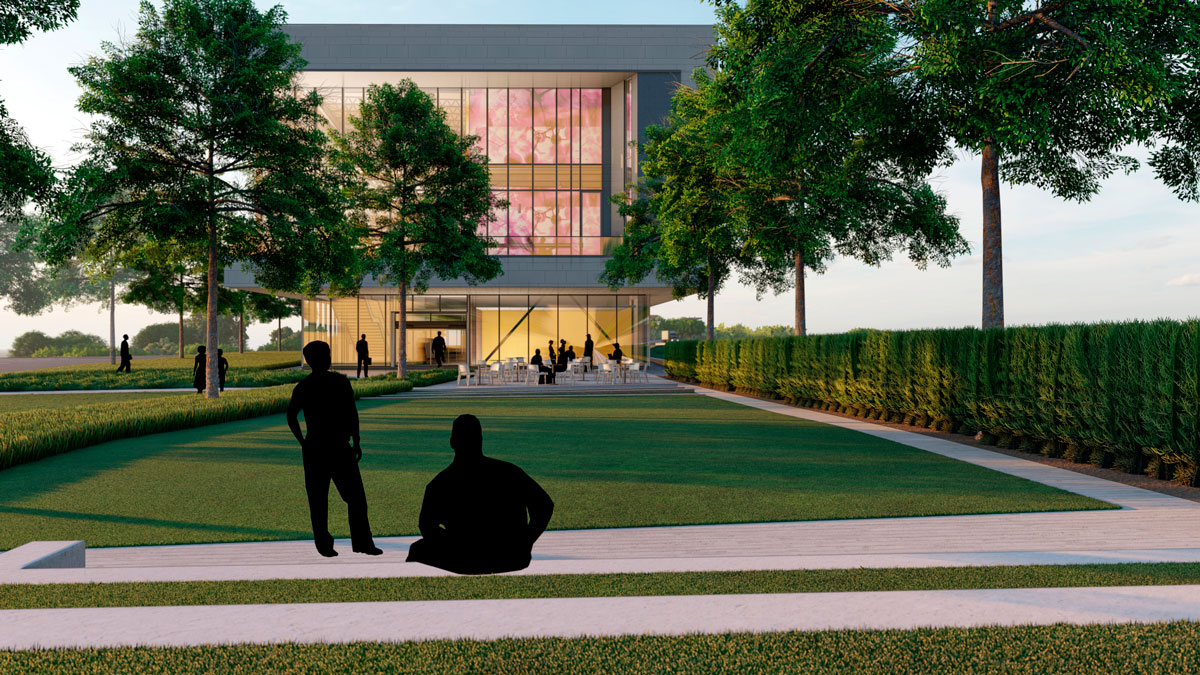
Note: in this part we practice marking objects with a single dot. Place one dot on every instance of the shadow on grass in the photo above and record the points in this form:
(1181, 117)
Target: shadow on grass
(152, 522)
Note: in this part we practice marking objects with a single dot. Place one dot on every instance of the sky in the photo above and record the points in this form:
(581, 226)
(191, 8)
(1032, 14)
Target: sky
(1129, 253)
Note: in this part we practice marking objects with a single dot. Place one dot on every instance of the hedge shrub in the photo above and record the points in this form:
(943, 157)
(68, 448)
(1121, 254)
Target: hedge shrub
(30, 435)
(1117, 394)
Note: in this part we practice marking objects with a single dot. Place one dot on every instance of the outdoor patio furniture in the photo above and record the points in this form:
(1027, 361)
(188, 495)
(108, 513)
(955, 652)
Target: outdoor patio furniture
(534, 374)
(463, 372)
(607, 372)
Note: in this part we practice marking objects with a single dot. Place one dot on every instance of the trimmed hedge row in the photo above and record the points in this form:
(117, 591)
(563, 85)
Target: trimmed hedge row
(1124, 395)
(30, 435)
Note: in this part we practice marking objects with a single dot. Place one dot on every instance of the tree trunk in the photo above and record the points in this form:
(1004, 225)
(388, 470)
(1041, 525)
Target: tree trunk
(279, 334)
(112, 321)
(993, 258)
(182, 291)
(212, 388)
(242, 332)
(402, 338)
(712, 290)
(801, 321)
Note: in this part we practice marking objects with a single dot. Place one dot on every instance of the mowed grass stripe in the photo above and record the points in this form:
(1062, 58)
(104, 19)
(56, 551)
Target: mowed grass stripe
(607, 462)
(145, 594)
(1045, 650)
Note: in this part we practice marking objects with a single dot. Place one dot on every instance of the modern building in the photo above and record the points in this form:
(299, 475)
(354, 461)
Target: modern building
(554, 109)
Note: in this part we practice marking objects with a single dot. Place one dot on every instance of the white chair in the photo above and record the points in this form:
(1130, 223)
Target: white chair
(586, 362)
(607, 372)
(567, 375)
(639, 371)
(495, 373)
(463, 373)
(532, 374)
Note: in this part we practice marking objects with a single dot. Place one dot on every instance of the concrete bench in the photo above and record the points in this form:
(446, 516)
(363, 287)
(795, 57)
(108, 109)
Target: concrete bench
(42, 555)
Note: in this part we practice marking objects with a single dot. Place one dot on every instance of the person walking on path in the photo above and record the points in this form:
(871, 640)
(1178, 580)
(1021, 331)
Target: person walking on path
(364, 357)
(331, 449)
(479, 515)
(588, 348)
(199, 370)
(222, 367)
(126, 357)
(439, 349)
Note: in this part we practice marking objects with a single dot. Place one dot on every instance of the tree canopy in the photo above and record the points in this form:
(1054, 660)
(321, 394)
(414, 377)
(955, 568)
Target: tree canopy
(420, 198)
(200, 145)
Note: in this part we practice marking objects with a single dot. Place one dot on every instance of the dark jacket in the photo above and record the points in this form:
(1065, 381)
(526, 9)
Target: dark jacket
(124, 349)
(587, 348)
(361, 348)
(327, 401)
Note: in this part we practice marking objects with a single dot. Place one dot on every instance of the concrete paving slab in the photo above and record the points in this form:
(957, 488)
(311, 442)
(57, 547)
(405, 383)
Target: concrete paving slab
(579, 617)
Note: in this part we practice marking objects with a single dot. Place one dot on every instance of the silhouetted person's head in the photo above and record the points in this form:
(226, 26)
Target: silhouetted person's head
(362, 337)
(617, 345)
(439, 332)
(318, 355)
(570, 348)
(125, 336)
(537, 352)
(466, 437)
(220, 352)
(589, 336)
(200, 349)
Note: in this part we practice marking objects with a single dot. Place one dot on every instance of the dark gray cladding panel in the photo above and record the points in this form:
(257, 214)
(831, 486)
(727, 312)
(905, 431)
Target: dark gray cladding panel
(654, 99)
(584, 48)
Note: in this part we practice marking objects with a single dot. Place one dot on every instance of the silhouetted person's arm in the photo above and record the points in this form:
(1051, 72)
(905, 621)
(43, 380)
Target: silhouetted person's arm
(430, 520)
(540, 506)
(293, 415)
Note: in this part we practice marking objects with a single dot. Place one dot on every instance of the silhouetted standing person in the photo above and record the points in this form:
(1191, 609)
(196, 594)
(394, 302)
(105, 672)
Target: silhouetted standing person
(474, 517)
(550, 352)
(364, 357)
(588, 348)
(331, 449)
(126, 358)
(199, 370)
(439, 349)
(222, 367)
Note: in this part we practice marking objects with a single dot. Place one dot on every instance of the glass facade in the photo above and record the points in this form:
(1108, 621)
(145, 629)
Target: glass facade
(483, 328)
(545, 150)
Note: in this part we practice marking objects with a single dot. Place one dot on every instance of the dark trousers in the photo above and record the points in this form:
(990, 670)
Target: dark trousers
(319, 469)
(126, 363)
(362, 367)
(221, 378)
(439, 356)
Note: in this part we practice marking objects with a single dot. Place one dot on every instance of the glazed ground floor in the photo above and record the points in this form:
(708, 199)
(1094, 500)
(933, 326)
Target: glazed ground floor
(479, 327)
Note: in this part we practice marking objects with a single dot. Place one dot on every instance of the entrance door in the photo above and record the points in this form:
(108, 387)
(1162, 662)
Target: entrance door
(420, 337)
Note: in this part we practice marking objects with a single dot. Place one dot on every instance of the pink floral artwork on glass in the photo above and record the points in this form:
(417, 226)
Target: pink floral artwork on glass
(566, 223)
(497, 126)
(591, 126)
(520, 214)
(543, 126)
(520, 126)
(544, 213)
(499, 227)
(477, 119)
(563, 129)
(590, 220)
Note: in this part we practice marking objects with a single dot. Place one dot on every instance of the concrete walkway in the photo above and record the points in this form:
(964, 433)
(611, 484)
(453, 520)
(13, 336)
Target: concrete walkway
(116, 391)
(1110, 536)
(579, 617)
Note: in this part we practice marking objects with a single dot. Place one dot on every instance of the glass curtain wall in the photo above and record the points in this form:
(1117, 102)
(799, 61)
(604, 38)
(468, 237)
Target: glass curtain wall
(545, 153)
(510, 326)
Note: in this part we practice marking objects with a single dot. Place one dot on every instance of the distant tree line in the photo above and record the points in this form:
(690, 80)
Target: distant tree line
(693, 328)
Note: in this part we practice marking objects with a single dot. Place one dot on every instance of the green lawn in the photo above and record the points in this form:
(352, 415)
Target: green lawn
(15, 402)
(1163, 648)
(144, 594)
(264, 360)
(607, 462)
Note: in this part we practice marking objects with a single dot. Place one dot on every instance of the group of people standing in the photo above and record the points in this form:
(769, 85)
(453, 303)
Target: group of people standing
(560, 359)
(199, 365)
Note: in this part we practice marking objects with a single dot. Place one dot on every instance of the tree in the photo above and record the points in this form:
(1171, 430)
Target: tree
(833, 141)
(286, 338)
(678, 220)
(1049, 93)
(685, 328)
(200, 144)
(420, 197)
(27, 175)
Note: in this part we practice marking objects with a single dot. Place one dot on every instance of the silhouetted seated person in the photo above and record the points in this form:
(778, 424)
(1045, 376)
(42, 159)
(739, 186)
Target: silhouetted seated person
(616, 352)
(571, 352)
(561, 364)
(480, 515)
(536, 361)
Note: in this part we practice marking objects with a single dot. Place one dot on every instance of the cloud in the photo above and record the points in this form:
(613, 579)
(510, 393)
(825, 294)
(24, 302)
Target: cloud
(1155, 242)
(1185, 280)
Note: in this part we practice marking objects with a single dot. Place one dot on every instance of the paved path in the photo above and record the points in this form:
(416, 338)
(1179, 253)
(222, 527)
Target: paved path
(578, 617)
(115, 391)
